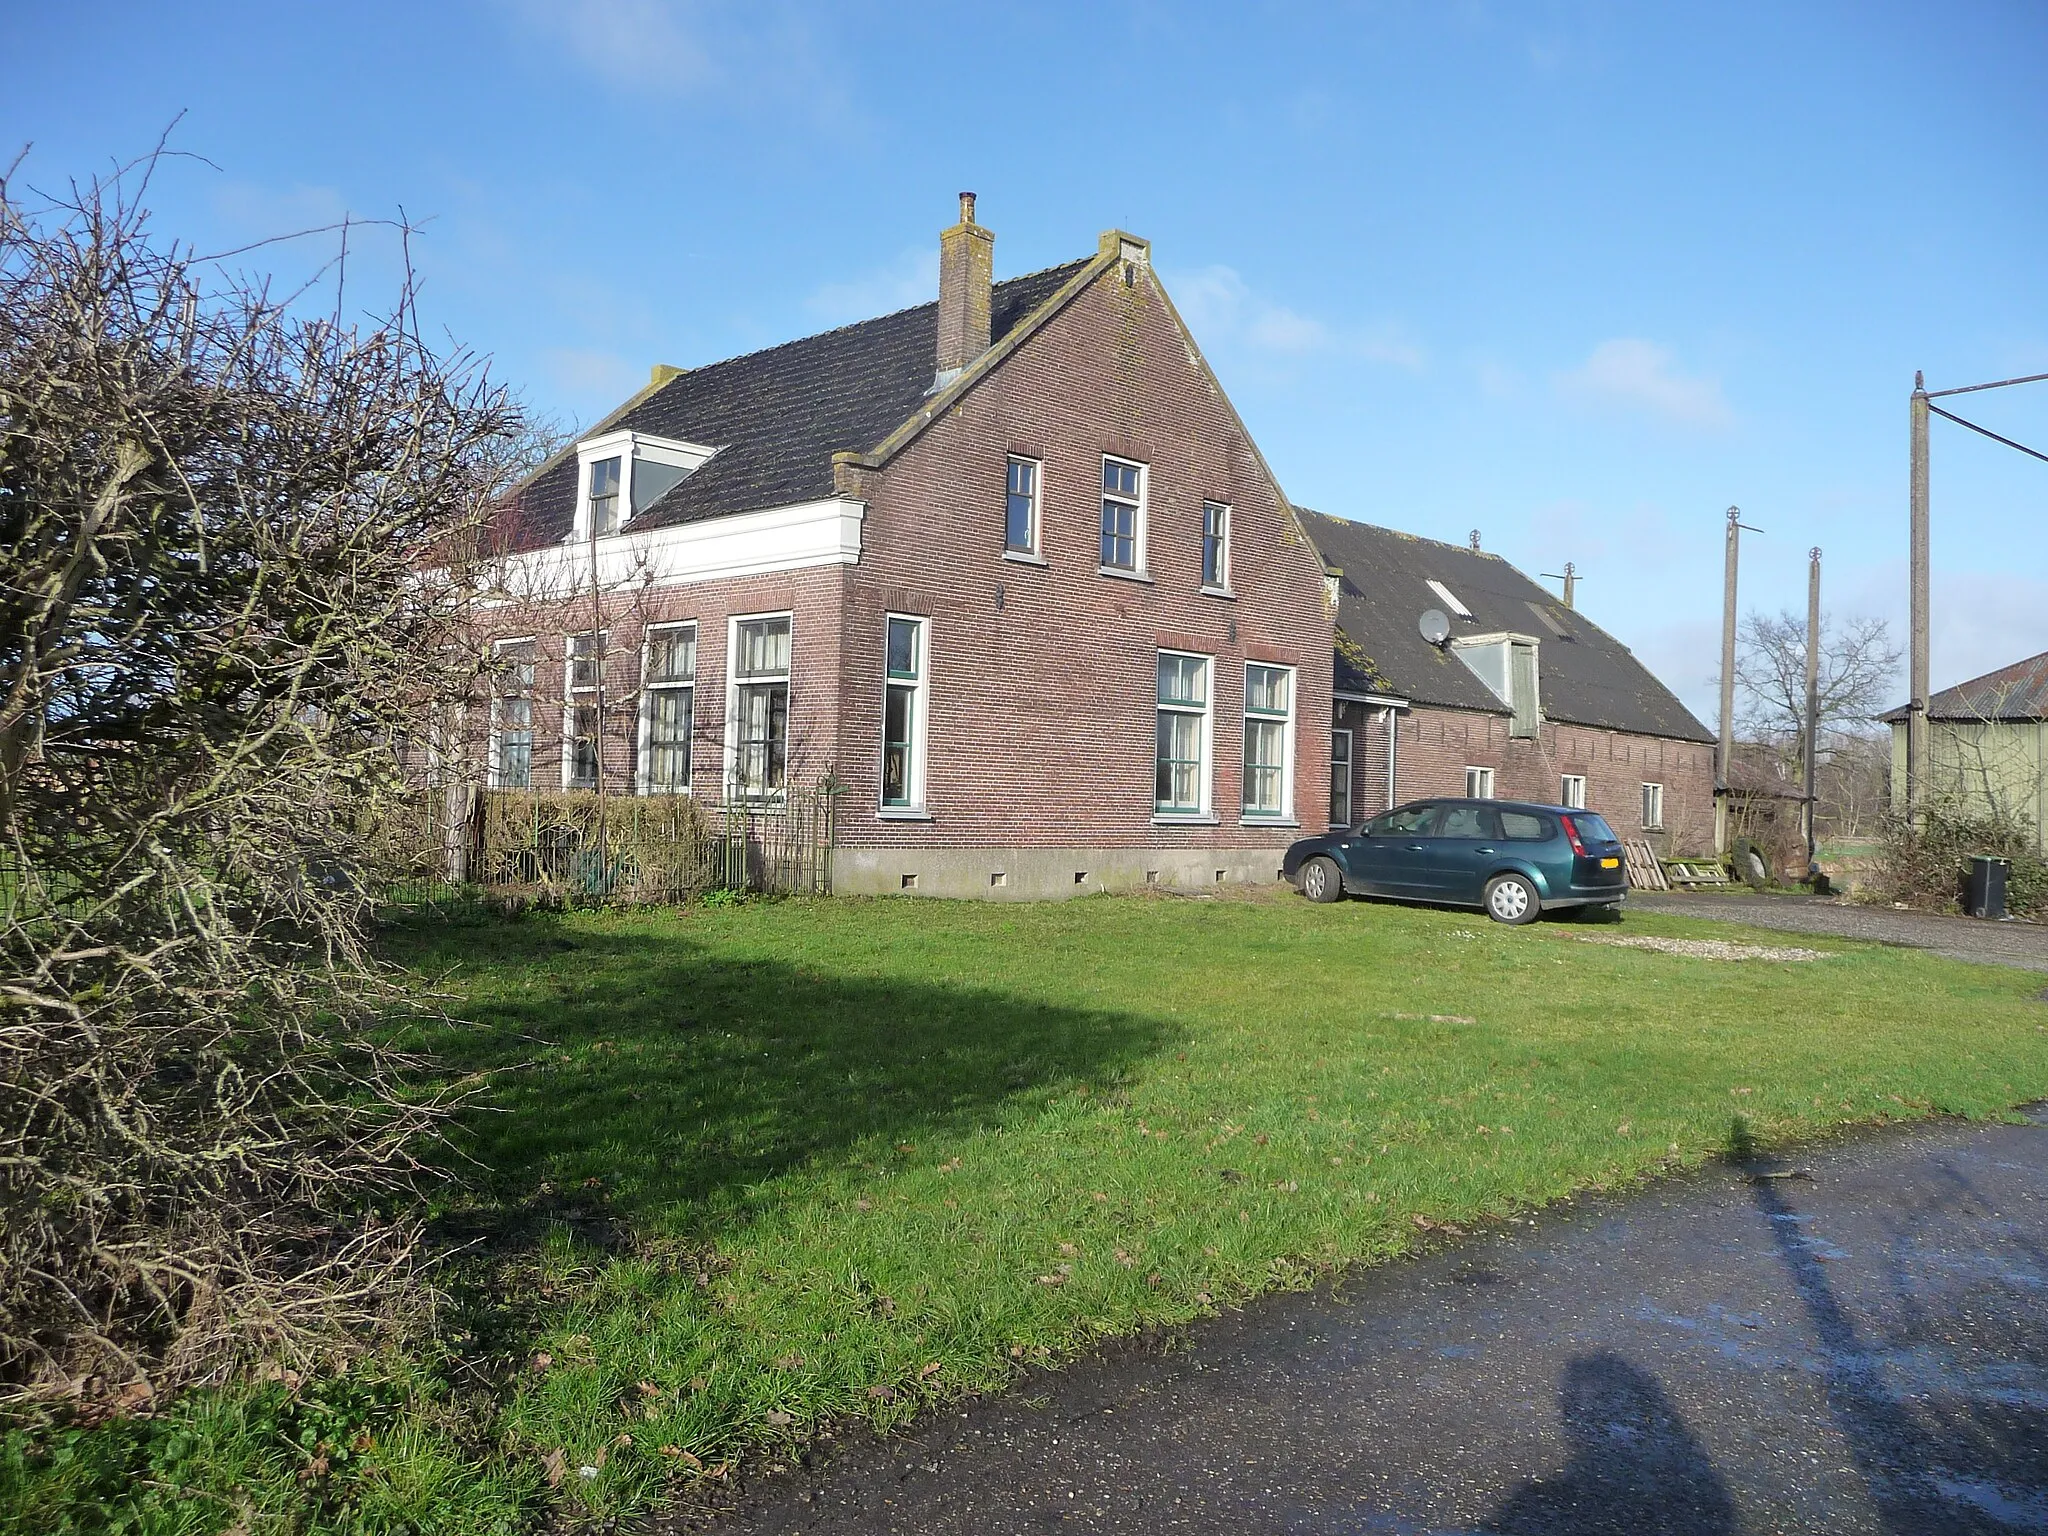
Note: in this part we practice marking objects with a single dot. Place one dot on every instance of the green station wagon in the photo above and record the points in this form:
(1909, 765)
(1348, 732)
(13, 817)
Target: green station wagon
(1511, 858)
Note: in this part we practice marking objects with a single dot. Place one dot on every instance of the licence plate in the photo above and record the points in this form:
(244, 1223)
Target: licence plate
(1610, 863)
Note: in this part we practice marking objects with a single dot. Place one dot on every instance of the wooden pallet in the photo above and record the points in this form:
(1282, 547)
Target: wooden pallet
(1694, 873)
(1644, 872)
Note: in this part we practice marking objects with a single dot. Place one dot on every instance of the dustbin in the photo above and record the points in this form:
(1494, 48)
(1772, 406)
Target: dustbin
(1984, 894)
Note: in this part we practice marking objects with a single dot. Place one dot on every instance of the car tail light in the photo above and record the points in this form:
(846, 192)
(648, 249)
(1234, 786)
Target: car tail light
(1571, 831)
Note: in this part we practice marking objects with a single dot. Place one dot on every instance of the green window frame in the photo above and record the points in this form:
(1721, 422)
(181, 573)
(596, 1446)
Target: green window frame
(760, 706)
(1268, 735)
(582, 725)
(1181, 753)
(512, 714)
(668, 709)
(1340, 777)
(903, 713)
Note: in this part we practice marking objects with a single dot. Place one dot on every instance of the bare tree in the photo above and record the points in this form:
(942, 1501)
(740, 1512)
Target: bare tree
(1858, 667)
(218, 512)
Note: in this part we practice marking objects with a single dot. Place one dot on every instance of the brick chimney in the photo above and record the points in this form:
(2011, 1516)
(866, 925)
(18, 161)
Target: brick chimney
(966, 268)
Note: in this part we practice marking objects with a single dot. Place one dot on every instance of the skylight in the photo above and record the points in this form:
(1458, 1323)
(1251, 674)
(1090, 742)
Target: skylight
(1450, 600)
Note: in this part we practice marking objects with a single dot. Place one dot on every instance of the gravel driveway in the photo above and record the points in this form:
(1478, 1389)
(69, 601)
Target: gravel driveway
(1854, 1340)
(2024, 945)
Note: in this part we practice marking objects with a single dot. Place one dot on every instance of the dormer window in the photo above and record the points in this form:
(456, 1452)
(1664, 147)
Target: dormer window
(1506, 663)
(621, 474)
(604, 496)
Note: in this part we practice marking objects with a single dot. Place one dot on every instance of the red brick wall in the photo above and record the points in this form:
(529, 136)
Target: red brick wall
(1437, 745)
(1043, 678)
(815, 597)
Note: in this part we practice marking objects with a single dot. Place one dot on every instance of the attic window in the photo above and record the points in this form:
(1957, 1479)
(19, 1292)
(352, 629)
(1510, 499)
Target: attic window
(622, 474)
(1507, 664)
(1450, 601)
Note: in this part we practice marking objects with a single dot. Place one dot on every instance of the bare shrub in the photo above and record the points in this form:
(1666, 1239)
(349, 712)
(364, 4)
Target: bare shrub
(215, 512)
(1924, 865)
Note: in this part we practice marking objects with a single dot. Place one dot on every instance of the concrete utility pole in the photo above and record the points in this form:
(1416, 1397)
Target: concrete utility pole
(1918, 409)
(1570, 578)
(1726, 754)
(1916, 704)
(1812, 702)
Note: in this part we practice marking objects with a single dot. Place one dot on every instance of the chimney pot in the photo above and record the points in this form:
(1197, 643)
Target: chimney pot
(966, 274)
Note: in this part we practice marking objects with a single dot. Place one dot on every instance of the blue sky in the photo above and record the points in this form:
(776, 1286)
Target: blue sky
(1577, 275)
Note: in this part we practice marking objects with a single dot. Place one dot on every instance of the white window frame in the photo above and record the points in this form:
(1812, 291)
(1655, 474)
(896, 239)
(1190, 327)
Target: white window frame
(644, 771)
(1653, 805)
(1478, 782)
(1137, 570)
(1350, 768)
(629, 448)
(1571, 791)
(920, 714)
(1206, 769)
(492, 776)
(1035, 549)
(732, 701)
(570, 691)
(1284, 815)
(1221, 585)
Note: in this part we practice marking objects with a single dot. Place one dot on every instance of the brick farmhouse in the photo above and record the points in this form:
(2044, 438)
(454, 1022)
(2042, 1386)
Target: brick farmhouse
(1523, 699)
(1008, 573)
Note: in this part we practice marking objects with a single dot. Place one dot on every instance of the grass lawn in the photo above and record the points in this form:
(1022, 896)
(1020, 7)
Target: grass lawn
(742, 1172)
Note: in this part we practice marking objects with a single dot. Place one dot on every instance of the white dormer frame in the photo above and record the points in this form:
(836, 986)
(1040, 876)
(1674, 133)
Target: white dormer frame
(632, 449)
(1503, 641)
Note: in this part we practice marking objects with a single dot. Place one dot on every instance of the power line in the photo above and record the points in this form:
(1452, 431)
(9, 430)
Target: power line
(2023, 448)
(1971, 389)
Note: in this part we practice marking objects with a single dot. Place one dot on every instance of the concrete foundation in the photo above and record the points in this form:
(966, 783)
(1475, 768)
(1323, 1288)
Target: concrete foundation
(1040, 874)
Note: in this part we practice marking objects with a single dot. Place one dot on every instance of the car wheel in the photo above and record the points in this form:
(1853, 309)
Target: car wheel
(1511, 899)
(1320, 880)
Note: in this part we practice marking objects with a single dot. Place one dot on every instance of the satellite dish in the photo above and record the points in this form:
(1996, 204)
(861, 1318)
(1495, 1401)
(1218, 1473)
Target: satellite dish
(1435, 627)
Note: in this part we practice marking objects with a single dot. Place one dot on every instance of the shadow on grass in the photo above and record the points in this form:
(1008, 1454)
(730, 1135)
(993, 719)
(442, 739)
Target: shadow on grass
(682, 1081)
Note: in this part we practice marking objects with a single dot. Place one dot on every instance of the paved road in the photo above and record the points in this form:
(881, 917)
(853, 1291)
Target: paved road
(1863, 1347)
(1963, 938)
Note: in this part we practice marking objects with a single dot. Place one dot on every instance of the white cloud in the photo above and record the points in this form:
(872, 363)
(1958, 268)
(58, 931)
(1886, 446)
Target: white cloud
(597, 381)
(911, 278)
(1640, 375)
(1222, 309)
(643, 45)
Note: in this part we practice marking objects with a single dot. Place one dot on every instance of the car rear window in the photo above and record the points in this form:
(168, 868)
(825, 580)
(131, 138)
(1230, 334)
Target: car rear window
(1592, 829)
(1523, 827)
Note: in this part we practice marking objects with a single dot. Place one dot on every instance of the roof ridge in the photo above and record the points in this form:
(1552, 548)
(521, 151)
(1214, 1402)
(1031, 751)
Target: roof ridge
(1413, 538)
(854, 325)
(1983, 677)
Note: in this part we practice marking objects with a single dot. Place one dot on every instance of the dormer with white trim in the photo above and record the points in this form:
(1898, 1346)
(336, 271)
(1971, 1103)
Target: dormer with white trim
(1506, 663)
(621, 474)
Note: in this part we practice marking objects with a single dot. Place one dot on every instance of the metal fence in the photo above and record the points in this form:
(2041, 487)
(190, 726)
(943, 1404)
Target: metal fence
(573, 846)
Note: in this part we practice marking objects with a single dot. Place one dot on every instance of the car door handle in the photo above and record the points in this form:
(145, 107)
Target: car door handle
(1484, 853)
(1417, 848)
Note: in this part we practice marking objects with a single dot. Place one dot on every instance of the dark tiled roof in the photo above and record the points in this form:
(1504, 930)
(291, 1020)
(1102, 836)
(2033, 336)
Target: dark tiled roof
(776, 417)
(2017, 692)
(1587, 676)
